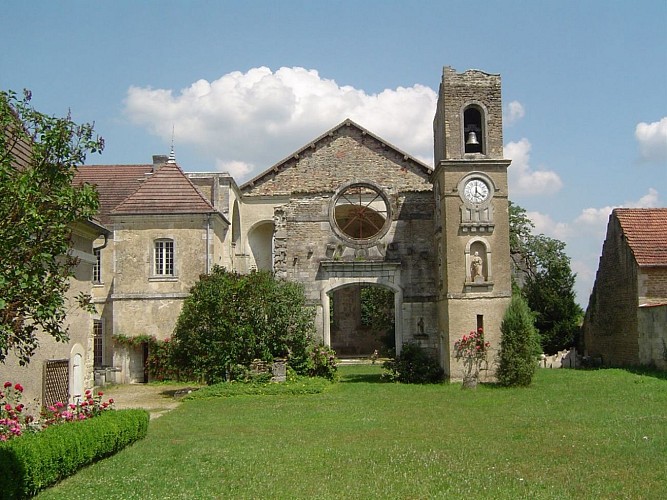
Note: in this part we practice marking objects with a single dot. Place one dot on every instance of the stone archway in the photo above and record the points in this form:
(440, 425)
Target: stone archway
(348, 291)
(362, 319)
(260, 241)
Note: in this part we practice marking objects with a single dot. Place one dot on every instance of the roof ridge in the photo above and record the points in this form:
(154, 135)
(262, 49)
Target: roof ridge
(329, 133)
(157, 184)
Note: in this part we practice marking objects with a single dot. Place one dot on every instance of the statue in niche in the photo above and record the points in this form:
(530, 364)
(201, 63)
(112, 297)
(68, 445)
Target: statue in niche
(420, 326)
(476, 265)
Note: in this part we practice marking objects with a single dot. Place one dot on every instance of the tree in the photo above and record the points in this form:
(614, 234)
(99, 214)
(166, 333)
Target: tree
(230, 319)
(519, 345)
(543, 273)
(38, 204)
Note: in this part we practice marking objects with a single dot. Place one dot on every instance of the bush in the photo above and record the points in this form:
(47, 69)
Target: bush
(296, 385)
(36, 461)
(519, 345)
(231, 319)
(413, 366)
(322, 362)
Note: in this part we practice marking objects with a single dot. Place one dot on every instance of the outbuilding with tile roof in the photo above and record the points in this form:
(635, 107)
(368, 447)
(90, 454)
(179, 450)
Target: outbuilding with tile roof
(626, 318)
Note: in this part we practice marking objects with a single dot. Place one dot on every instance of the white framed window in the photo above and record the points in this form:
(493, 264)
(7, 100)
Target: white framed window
(163, 258)
(98, 343)
(97, 266)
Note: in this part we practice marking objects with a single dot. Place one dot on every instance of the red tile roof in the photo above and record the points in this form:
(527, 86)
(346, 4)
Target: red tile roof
(114, 183)
(645, 230)
(166, 191)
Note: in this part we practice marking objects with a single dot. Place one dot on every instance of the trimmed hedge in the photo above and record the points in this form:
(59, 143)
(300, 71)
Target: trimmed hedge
(35, 461)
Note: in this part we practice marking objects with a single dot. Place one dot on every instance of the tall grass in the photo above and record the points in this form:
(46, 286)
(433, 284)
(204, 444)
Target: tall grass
(572, 434)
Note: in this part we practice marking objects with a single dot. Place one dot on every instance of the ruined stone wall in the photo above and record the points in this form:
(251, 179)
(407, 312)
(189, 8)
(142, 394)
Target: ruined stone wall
(346, 155)
(610, 326)
(300, 193)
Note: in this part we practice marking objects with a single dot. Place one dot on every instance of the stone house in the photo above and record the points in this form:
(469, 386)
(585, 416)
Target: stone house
(626, 318)
(345, 213)
(62, 371)
(165, 235)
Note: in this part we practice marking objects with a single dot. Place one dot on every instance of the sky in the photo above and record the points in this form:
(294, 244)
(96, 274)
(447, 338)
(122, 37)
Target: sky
(238, 86)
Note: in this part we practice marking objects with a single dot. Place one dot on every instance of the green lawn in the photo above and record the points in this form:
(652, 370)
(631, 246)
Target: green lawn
(573, 434)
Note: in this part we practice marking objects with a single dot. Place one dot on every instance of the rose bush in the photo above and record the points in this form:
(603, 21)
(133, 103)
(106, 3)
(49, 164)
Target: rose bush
(472, 351)
(14, 421)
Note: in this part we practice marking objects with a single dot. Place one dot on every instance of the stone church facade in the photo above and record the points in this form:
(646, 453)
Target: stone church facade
(345, 213)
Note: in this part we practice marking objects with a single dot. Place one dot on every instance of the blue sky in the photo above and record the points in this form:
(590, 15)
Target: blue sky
(243, 84)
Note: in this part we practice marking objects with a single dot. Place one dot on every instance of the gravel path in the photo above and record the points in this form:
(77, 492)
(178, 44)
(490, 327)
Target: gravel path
(158, 399)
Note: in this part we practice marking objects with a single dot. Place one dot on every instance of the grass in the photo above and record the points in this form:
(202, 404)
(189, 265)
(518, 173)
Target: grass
(572, 434)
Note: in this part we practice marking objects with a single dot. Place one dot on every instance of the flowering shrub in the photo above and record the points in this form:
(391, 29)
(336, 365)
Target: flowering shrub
(322, 362)
(89, 407)
(472, 350)
(14, 421)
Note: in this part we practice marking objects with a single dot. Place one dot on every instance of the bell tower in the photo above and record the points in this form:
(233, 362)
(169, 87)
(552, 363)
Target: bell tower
(472, 218)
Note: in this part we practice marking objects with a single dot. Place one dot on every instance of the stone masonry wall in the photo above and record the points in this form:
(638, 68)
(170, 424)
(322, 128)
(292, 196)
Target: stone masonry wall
(652, 283)
(610, 326)
(346, 155)
(460, 90)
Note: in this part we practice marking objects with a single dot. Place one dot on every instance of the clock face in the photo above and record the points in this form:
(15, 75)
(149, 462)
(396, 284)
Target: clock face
(476, 191)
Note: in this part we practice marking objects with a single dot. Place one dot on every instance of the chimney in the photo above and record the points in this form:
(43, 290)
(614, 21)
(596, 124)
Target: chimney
(160, 159)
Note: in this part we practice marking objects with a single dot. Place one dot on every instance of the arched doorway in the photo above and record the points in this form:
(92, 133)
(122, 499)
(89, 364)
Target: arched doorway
(260, 241)
(362, 319)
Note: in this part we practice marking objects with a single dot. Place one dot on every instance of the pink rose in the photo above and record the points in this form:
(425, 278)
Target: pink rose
(8, 384)
(18, 387)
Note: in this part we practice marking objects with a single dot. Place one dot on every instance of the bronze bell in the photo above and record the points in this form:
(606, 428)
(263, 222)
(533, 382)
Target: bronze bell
(472, 139)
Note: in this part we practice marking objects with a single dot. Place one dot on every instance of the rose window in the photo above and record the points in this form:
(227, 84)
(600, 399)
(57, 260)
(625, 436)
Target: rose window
(361, 213)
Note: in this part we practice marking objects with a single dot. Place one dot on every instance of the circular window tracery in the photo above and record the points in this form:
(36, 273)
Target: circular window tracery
(361, 213)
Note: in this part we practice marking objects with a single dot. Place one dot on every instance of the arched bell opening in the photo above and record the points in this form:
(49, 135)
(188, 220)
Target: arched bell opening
(473, 130)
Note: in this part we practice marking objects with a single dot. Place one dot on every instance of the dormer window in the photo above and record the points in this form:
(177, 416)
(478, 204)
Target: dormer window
(473, 130)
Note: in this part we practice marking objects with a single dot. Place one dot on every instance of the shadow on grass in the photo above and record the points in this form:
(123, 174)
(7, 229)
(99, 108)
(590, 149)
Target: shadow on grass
(648, 372)
(368, 378)
(178, 393)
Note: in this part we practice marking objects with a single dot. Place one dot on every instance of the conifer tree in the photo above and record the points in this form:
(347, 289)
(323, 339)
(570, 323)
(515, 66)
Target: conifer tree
(519, 345)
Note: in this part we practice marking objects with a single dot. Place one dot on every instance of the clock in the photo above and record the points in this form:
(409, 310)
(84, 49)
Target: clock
(476, 191)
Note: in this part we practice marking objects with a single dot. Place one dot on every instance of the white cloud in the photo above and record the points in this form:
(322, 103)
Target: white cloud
(523, 180)
(236, 169)
(652, 139)
(544, 224)
(513, 112)
(649, 200)
(246, 122)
